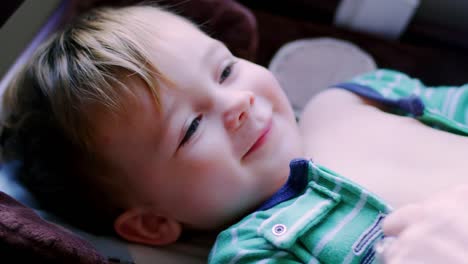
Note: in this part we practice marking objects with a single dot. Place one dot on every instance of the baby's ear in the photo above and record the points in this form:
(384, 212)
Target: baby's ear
(145, 227)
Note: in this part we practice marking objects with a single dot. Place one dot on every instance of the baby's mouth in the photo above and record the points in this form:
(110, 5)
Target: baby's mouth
(260, 140)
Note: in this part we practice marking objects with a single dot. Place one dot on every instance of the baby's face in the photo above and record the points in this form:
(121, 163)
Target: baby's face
(219, 145)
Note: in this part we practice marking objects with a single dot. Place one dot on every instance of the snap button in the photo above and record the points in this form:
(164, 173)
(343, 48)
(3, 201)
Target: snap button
(279, 229)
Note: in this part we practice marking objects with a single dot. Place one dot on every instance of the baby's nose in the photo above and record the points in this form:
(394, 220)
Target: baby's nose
(238, 109)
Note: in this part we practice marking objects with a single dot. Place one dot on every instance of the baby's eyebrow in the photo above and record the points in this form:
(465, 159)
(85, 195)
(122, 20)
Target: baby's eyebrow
(212, 48)
(172, 131)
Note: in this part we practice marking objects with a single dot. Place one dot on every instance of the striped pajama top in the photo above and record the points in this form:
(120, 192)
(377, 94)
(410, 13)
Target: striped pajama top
(319, 216)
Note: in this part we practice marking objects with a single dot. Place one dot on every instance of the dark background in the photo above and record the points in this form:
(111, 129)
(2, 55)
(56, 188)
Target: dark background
(436, 54)
(8, 8)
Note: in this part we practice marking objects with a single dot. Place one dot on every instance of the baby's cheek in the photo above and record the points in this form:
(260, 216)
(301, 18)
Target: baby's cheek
(271, 89)
(213, 200)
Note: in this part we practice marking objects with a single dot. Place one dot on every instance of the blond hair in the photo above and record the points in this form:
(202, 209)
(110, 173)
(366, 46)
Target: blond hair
(83, 65)
(46, 119)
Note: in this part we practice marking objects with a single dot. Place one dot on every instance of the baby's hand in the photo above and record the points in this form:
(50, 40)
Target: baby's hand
(433, 231)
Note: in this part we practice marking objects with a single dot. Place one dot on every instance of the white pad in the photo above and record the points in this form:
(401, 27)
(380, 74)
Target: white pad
(307, 66)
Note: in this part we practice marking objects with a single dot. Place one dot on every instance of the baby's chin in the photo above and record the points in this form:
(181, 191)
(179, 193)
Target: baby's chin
(277, 178)
(279, 182)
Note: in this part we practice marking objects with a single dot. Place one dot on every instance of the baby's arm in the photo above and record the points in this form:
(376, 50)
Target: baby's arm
(443, 105)
(432, 231)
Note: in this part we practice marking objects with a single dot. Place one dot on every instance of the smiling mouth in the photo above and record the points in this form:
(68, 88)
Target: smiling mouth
(260, 140)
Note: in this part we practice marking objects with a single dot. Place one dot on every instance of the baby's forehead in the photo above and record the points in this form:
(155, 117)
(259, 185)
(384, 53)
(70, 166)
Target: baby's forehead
(142, 91)
(137, 98)
(163, 23)
(128, 126)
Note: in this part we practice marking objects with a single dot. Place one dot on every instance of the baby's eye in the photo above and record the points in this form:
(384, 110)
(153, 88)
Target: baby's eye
(191, 130)
(226, 72)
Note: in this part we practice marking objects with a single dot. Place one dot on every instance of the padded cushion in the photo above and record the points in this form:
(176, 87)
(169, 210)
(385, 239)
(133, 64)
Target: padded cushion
(25, 237)
(307, 66)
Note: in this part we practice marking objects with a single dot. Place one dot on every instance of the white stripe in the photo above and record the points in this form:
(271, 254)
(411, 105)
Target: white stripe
(466, 116)
(313, 261)
(315, 177)
(254, 216)
(330, 235)
(338, 183)
(396, 82)
(417, 89)
(305, 218)
(434, 111)
(314, 167)
(460, 125)
(399, 77)
(315, 171)
(428, 93)
(386, 92)
(454, 103)
(365, 82)
(238, 256)
(378, 74)
(215, 246)
(448, 98)
(234, 233)
(276, 255)
(273, 216)
(348, 258)
(368, 236)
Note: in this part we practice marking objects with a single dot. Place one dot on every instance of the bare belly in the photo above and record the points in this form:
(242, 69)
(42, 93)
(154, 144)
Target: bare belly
(398, 158)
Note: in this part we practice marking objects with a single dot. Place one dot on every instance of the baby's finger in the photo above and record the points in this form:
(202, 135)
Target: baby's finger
(400, 219)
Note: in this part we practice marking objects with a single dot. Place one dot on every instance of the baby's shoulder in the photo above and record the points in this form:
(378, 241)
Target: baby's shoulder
(334, 104)
(335, 96)
(344, 98)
